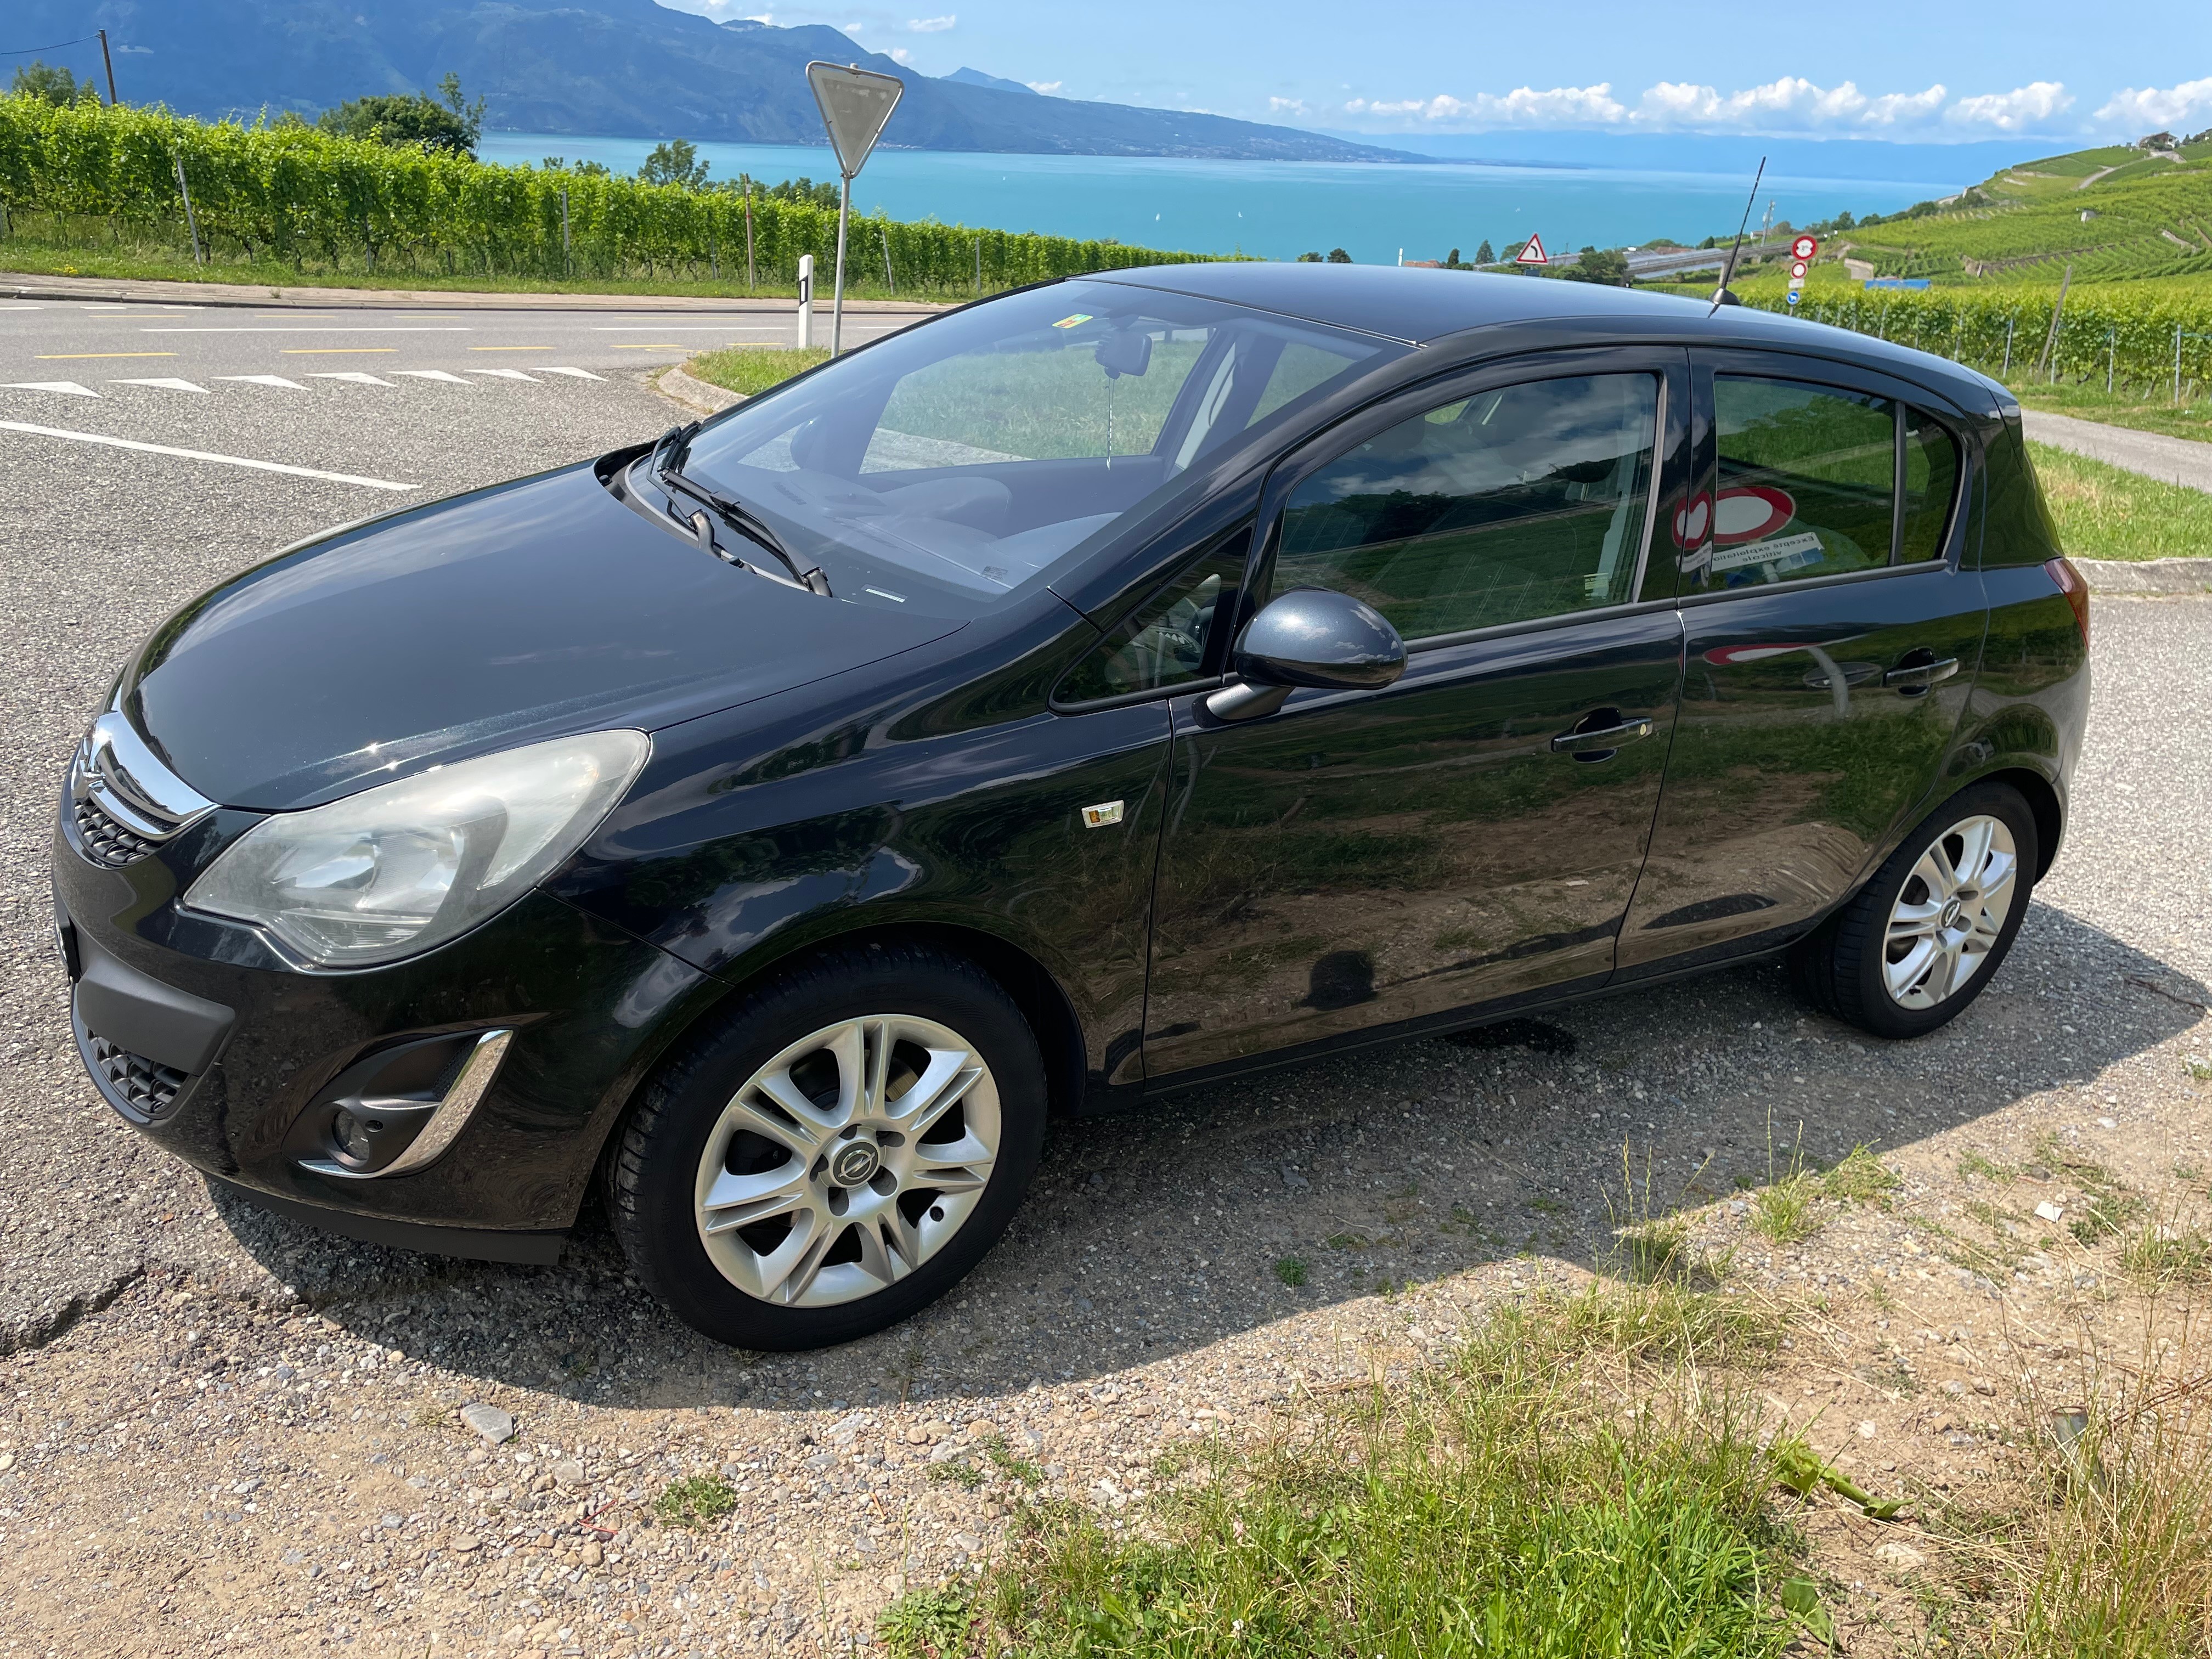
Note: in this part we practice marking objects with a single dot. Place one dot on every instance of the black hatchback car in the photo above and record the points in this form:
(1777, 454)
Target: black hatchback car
(1117, 684)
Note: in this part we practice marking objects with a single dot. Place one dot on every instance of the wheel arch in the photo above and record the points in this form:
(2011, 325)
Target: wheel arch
(2042, 799)
(1042, 1002)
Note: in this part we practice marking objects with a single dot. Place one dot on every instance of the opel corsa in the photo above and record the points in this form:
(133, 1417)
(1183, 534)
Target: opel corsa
(1121, 683)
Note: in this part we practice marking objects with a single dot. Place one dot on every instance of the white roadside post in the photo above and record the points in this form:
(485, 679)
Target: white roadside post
(855, 103)
(805, 301)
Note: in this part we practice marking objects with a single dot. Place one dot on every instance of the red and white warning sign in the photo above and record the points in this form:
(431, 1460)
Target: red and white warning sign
(1532, 254)
(1796, 271)
(1804, 247)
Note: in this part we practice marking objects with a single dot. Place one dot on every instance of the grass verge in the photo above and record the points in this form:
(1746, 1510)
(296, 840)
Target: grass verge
(750, 369)
(1507, 1504)
(2093, 403)
(2106, 512)
(155, 262)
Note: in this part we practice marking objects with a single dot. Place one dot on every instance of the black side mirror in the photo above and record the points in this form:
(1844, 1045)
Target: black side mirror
(1309, 636)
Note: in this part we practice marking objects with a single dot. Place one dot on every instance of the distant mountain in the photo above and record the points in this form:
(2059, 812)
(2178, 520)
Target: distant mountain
(975, 77)
(621, 68)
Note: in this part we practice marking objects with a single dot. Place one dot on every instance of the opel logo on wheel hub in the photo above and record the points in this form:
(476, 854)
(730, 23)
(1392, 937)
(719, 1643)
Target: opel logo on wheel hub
(855, 1163)
(1951, 911)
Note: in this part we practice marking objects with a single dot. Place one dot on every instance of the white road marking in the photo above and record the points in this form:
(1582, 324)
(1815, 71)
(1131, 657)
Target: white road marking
(202, 455)
(69, 387)
(353, 376)
(264, 379)
(504, 373)
(165, 385)
(579, 374)
(431, 374)
(23, 307)
(320, 328)
(689, 328)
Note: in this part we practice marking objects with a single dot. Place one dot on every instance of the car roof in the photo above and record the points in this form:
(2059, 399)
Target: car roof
(1400, 302)
(1421, 305)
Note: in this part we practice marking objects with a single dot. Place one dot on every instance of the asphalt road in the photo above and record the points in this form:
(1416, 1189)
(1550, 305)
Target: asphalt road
(2172, 461)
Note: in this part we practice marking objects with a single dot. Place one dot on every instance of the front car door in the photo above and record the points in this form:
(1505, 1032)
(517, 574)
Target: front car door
(1362, 861)
(1833, 619)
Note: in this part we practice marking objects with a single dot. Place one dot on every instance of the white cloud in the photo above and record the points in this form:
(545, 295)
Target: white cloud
(1048, 88)
(901, 56)
(1789, 105)
(2024, 109)
(2148, 109)
(931, 24)
(1286, 106)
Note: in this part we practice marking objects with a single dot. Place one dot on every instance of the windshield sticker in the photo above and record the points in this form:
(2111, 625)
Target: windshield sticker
(1788, 553)
(1071, 322)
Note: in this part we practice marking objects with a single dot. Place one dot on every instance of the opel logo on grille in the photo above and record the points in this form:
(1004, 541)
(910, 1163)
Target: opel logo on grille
(854, 1164)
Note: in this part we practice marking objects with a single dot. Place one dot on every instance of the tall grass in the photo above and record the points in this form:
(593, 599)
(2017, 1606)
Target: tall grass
(1508, 1505)
(2118, 1563)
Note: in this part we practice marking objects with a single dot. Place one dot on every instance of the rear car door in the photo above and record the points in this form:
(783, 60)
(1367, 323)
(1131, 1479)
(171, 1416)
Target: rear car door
(1833, 622)
(1363, 860)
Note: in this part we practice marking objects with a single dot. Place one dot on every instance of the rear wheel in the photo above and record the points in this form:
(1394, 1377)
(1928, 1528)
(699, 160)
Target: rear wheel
(1921, 940)
(836, 1153)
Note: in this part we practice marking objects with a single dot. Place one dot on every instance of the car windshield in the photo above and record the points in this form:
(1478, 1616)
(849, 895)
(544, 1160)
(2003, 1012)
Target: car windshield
(947, 466)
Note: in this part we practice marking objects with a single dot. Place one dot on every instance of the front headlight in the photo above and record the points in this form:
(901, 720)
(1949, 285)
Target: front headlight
(400, 869)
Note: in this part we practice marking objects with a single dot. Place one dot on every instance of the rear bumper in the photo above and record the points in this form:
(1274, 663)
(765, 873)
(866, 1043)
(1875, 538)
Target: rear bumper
(202, 1038)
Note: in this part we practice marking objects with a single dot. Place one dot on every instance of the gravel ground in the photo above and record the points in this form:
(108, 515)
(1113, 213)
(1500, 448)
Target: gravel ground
(222, 1432)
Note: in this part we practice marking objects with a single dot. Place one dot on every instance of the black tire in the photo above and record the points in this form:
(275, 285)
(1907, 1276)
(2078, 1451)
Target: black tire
(1840, 967)
(655, 1168)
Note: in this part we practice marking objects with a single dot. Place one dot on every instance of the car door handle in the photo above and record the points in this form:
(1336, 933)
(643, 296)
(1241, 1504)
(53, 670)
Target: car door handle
(1611, 736)
(1919, 676)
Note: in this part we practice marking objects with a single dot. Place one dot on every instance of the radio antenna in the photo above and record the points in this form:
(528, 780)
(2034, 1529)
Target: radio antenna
(1721, 295)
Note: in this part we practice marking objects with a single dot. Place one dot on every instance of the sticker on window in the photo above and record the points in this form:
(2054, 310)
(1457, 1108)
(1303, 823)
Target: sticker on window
(1785, 553)
(1071, 322)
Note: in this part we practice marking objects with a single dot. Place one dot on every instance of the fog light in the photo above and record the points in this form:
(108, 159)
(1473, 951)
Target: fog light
(351, 1135)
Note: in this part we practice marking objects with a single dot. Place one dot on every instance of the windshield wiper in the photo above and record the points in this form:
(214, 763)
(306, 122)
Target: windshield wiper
(665, 463)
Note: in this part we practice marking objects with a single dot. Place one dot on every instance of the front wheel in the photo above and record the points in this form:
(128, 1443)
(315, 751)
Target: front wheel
(836, 1153)
(1921, 940)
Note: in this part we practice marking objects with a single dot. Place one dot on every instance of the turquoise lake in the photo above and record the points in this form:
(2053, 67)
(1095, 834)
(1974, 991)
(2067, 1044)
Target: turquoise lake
(1279, 210)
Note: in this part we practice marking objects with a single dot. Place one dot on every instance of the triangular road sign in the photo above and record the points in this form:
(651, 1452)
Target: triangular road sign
(855, 103)
(1533, 253)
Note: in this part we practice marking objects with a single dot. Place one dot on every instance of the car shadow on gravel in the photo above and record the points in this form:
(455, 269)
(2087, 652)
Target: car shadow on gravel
(1217, 1214)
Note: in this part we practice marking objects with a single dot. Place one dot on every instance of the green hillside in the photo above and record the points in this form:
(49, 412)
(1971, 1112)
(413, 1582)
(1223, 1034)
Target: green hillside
(2117, 214)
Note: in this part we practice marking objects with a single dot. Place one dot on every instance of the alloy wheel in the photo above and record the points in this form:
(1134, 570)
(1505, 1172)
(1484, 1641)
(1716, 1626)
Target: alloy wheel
(848, 1160)
(1950, 913)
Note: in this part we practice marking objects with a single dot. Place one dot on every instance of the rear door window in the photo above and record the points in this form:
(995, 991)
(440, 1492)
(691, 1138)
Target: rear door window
(1520, 502)
(1822, 481)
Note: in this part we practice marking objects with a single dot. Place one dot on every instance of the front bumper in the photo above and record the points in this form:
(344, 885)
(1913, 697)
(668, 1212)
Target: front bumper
(196, 1032)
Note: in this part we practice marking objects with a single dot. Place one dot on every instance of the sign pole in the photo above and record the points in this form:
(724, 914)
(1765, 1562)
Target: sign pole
(838, 287)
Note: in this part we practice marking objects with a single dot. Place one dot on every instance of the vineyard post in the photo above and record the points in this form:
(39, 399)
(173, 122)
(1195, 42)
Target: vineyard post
(2177, 365)
(749, 234)
(2049, 360)
(566, 267)
(888, 282)
(2005, 374)
(714, 253)
(192, 224)
(979, 267)
(2111, 348)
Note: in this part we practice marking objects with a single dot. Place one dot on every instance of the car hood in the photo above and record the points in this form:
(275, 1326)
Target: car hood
(474, 624)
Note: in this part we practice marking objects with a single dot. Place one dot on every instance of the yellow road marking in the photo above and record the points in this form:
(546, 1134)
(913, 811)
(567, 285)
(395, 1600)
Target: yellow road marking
(332, 351)
(63, 356)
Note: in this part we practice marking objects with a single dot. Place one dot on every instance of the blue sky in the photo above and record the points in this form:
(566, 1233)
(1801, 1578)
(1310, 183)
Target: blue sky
(1904, 72)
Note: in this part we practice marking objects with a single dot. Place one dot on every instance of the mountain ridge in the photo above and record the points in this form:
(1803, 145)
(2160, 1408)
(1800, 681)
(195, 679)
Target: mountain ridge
(613, 68)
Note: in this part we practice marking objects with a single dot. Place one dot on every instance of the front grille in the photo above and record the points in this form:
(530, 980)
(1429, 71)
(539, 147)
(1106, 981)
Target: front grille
(148, 1087)
(105, 841)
